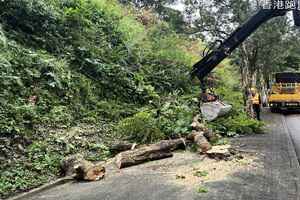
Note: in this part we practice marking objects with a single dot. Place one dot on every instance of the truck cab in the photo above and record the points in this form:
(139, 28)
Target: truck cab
(285, 92)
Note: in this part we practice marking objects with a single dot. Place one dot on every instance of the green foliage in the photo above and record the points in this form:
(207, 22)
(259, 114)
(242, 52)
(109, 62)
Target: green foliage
(42, 162)
(43, 158)
(98, 152)
(158, 4)
(58, 114)
(19, 178)
(201, 173)
(64, 62)
(237, 124)
(166, 76)
(113, 110)
(142, 128)
(202, 189)
(170, 117)
(176, 113)
(224, 140)
(73, 54)
(2, 39)
(228, 85)
(117, 82)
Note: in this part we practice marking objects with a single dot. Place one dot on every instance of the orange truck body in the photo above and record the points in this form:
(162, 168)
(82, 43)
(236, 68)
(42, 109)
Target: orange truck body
(285, 92)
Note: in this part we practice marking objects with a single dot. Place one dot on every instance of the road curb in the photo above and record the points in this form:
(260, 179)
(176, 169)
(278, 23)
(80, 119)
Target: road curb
(47, 186)
(293, 155)
(292, 151)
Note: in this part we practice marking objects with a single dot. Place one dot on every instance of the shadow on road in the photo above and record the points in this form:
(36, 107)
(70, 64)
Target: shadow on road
(290, 112)
(247, 185)
(285, 112)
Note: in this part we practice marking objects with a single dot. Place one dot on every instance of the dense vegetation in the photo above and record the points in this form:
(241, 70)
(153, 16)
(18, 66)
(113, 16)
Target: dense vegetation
(78, 74)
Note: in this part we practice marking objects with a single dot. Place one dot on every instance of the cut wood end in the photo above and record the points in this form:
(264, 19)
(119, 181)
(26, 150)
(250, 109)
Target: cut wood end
(82, 169)
(95, 174)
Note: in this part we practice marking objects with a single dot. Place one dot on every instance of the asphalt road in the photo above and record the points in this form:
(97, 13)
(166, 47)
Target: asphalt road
(292, 122)
(276, 176)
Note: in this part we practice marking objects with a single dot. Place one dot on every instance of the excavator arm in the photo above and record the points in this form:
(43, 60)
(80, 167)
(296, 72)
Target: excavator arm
(202, 68)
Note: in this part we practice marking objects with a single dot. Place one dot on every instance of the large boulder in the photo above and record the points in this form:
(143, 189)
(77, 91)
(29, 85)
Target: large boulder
(213, 110)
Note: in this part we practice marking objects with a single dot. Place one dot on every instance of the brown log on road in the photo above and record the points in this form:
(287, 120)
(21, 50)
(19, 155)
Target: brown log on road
(156, 151)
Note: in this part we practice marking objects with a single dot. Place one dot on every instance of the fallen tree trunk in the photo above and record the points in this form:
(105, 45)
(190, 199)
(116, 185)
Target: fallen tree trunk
(82, 169)
(148, 153)
(122, 146)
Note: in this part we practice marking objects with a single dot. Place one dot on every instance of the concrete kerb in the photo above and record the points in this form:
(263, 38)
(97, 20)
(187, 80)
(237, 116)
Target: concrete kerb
(47, 186)
(294, 162)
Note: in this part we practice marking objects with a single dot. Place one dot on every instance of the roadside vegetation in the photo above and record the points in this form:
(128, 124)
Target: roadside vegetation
(77, 75)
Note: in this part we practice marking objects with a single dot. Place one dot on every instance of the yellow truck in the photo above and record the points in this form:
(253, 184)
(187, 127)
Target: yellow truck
(285, 92)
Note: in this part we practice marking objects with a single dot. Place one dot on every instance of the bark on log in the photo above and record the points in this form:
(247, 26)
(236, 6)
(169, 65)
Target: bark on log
(210, 135)
(223, 152)
(196, 125)
(122, 146)
(200, 140)
(148, 153)
(82, 169)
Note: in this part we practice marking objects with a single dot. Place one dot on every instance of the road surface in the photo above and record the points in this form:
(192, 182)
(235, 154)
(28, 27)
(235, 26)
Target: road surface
(293, 125)
(273, 175)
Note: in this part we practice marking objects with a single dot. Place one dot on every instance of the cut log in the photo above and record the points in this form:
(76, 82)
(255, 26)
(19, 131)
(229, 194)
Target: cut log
(89, 172)
(170, 145)
(222, 152)
(148, 153)
(202, 143)
(122, 146)
(196, 125)
(211, 136)
(200, 140)
(200, 127)
(82, 169)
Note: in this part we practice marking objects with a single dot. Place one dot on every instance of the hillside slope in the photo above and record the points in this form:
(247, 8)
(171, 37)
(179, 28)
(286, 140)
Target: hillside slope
(68, 63)
(78, 74)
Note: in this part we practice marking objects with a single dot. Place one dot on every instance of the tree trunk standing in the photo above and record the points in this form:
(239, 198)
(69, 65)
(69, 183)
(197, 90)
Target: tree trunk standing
(248, 74)
(246, 85)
